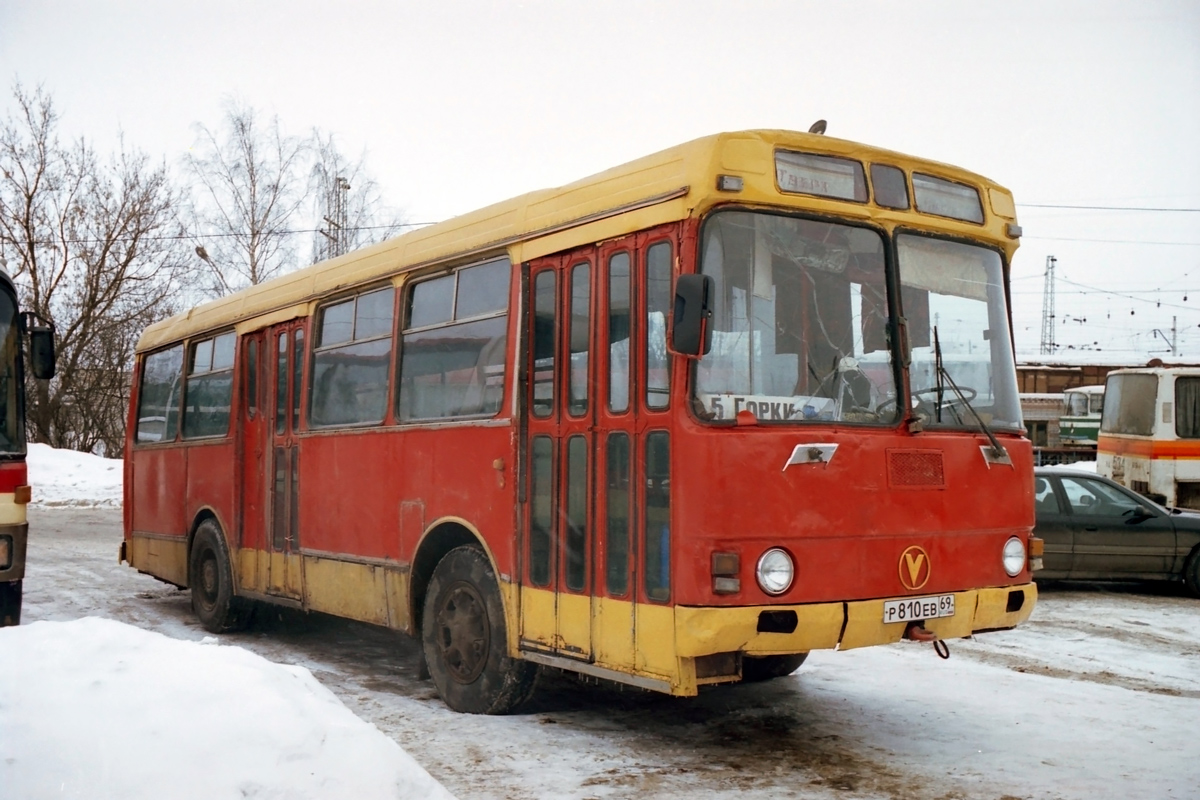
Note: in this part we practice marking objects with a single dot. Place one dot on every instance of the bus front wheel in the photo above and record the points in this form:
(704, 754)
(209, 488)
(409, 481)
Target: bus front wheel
(764, 668)
(465, 638)
(211, 579)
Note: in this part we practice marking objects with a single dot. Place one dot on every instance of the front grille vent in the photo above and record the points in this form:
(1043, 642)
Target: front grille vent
(916, 469)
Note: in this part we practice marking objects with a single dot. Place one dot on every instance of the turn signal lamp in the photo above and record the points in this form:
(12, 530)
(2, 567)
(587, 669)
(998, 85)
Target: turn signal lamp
(22, 495)
(6, 549)
(725, 568)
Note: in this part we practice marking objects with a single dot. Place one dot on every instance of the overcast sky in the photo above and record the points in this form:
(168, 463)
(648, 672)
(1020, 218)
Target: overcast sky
(459, 104)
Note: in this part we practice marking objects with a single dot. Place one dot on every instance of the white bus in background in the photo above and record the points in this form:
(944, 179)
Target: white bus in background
(1150, 433)
(1079, 424)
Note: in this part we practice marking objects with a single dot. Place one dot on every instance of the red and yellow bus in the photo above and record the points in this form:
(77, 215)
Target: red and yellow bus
(15, 493)
(675, 424)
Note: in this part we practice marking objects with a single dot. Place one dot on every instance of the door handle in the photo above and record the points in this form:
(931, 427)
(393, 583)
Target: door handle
(1090, 528)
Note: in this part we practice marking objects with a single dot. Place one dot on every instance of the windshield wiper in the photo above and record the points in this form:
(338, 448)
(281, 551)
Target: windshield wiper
(998, 451)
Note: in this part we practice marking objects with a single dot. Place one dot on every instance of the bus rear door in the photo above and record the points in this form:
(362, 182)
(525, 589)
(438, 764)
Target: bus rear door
(283, 509)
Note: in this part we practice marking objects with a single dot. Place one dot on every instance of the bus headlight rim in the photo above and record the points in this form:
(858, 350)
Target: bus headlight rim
(1012, 557)
(775, 571)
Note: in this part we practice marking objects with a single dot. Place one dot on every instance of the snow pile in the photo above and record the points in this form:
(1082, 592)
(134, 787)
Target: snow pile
(98, 709)
(70, 478)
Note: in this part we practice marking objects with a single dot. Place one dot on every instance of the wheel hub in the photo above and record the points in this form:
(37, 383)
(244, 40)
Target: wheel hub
(463, 632)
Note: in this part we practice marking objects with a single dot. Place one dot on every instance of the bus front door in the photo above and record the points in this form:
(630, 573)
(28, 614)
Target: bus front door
(285, 574)
(595, 582)
(556, 589)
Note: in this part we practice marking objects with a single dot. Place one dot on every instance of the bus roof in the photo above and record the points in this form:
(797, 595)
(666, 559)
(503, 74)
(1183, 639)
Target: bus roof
(667, 186)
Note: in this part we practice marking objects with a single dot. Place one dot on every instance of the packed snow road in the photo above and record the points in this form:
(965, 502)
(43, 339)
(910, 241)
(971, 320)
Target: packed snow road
(1097, 697)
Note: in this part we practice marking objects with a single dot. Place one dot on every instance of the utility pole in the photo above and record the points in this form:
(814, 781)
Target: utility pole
(1173, 341)
(335, 218)
(1048, 344)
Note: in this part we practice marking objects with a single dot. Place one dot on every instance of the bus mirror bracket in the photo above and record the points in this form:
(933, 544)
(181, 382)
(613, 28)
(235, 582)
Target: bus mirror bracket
(41, 345)
(691, 328)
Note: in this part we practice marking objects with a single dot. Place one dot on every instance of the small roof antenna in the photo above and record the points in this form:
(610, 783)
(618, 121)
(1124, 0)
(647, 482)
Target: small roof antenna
(818, 127)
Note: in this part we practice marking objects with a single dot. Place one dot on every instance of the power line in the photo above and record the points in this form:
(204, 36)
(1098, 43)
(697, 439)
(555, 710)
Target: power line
(192, 236)
(1108, 241)
(1109, 208)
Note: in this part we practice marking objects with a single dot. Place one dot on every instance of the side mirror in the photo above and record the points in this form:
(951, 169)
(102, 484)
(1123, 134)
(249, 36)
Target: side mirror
(41, 352)
(691, 329)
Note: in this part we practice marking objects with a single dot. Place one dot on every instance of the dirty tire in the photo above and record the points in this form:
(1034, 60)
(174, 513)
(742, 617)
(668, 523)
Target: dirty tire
(211, 580)
(1191, 572)
(10, 603)
(465, 638)
(764, 668)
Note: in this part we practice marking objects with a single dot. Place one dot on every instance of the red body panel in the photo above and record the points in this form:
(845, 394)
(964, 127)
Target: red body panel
(159, 486)
(357, 485)
(844, 522)
(12, 475)
(210, 482)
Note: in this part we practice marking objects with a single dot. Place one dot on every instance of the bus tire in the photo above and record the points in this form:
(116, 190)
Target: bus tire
(211, 579)
(465, 639)
(10, 603)
(765, 668)
(1191, 572)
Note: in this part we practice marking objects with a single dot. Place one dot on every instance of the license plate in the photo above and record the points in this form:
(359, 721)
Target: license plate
(917, 608)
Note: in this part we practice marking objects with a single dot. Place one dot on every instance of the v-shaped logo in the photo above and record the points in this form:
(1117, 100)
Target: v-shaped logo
(914, 568)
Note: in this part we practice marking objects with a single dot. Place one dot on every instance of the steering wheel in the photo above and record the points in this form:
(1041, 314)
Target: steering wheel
(969, 394)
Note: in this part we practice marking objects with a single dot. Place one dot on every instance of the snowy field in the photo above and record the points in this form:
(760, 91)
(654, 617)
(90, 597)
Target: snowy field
(1097, 697)
(95, 708)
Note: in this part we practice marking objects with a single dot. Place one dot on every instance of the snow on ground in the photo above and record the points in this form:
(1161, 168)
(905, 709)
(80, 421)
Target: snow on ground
(96, 709)
(71, 478)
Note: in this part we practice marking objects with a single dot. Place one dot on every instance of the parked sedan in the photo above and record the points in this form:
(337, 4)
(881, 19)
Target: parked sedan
(1095, 529)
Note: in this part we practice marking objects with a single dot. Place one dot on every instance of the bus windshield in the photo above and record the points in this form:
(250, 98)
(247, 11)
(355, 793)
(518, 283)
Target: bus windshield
(953, 298)
(799, 322)
(12, 417)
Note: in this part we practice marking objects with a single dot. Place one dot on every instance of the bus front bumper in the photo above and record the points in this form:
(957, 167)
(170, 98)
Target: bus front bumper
(780, 630)
(13, 539)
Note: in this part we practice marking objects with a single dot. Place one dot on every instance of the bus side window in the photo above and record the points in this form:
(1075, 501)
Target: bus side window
(453, 348)
(577, 395)
(158, 398)
(658, 307)
(281, 385)
(545, 330)
(657, 534)
(252, 378)
(352, 353)
(208, 393)
(619, 326)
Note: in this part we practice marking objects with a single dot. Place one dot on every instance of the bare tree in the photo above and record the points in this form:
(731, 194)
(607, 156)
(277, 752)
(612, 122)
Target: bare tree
(350, 210)
(249, 189)
(95, 249)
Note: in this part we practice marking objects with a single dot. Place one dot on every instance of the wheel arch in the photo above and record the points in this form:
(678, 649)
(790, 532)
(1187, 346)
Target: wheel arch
(439, 539)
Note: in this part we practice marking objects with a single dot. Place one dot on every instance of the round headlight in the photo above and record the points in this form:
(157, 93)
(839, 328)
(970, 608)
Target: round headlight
(1014, 557)
(775, 571)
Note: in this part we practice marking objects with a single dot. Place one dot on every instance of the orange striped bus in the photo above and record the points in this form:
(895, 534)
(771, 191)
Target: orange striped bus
(1149, 435)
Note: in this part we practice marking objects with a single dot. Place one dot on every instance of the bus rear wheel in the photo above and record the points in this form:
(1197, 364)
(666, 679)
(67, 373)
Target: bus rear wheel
(465, 638)
(211, 579)
(765, 668)
(10, 603)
